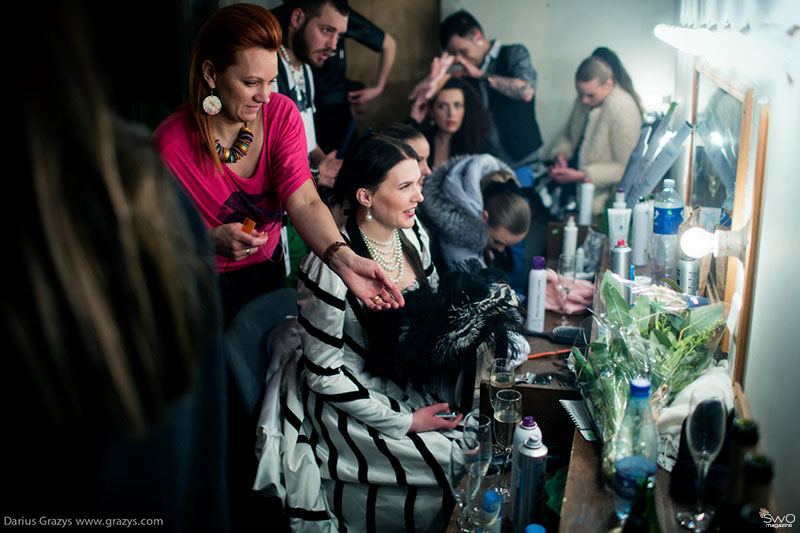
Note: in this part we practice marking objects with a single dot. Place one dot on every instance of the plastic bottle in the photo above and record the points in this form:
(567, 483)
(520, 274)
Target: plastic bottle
(489, 517)
(570, 237)
(586, 201)
(667, 219)
(640, 235)
(525, 429)
(580, 261)
(619, 199)
(636, 446)
(534, 528)
(537, 293)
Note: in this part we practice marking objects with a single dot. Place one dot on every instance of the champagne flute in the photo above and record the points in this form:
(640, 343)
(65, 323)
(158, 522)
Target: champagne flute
(479, 427)
(705, 431)
(479, 518)
(501, 377)
(463, 451)
(566, 279)
(507, 412)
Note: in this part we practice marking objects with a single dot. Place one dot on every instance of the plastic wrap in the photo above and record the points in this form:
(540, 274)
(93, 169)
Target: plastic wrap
(666, 336)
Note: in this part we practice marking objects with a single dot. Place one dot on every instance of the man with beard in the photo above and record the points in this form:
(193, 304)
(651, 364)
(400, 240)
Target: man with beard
(311, 31)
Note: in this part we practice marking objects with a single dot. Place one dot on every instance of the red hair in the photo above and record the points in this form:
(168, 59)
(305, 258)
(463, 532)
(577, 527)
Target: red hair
(229, 30)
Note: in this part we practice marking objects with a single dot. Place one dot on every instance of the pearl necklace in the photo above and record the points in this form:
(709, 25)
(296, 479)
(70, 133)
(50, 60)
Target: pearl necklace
(298, 73)
(389, 264)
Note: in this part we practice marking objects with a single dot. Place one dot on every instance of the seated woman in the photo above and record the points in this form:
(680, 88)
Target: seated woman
(411, 136)
(473, 210)
(359, 449)
(454, 122)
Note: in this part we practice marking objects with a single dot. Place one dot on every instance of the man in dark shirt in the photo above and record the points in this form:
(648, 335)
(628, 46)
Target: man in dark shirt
(506, 79)
(338, 100)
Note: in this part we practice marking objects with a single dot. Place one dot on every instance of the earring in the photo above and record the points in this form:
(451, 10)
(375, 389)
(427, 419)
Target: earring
(369, 215)
(212, 104)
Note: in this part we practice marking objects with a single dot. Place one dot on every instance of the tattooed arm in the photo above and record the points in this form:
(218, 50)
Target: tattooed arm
(512, 87)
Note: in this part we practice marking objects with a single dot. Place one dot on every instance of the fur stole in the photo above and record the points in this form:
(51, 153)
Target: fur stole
(427, 343)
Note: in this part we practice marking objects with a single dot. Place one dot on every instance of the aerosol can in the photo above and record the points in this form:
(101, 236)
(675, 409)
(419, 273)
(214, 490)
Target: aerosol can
(530, 496)
(524, 430)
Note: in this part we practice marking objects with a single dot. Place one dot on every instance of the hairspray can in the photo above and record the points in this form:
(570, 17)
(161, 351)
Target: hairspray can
(524, 430)
(529, 498)
(640, 235)
(621, 265)
(689, 275)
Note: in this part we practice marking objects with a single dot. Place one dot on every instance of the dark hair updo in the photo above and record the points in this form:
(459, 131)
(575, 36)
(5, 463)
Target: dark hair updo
(366, 164)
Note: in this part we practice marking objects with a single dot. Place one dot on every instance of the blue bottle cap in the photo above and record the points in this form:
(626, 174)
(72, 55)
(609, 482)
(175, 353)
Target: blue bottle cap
(539, 262)
(534, 528)
(640, 388)
(491, 501)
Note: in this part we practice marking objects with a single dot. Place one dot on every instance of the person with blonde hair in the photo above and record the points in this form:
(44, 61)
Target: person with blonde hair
(240, 153)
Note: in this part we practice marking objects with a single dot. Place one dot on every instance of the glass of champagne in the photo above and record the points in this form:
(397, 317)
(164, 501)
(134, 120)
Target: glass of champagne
(566, 279)
(705, 431)
(507, 412)
(501, 377)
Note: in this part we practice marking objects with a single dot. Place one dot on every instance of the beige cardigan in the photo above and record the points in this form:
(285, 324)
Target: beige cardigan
(612, 132)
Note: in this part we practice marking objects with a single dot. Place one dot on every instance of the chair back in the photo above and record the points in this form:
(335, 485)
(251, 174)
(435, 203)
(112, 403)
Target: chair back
(246, 343)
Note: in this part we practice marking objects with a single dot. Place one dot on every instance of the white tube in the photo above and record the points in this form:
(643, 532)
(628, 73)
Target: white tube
(640, 236)
(619, 222)
(570, 242)
(586, 200)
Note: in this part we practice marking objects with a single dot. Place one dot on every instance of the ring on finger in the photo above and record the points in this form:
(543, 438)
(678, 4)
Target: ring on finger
(376, 298)
(247, 252)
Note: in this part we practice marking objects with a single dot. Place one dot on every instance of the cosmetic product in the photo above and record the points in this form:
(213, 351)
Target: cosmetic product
(640, 236)
(537, 290)
(688, 275)
(570, 241)
(619, 222)
(585, 205)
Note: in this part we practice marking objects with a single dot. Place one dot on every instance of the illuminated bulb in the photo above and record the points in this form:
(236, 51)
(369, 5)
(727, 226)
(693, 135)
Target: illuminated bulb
(716, 138)
(697, 242)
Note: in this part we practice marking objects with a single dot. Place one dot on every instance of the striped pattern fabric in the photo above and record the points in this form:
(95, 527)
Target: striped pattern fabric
(345, 430)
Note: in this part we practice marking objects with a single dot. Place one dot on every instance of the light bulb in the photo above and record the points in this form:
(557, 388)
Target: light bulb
(697, 242)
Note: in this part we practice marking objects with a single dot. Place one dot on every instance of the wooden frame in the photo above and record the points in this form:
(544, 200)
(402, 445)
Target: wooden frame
(752, 247)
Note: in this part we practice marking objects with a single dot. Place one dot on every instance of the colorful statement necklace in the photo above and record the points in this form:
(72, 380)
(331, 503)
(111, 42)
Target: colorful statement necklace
(239, 148)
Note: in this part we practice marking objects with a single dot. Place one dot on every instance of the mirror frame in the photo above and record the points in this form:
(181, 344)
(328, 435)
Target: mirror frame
(746, 96)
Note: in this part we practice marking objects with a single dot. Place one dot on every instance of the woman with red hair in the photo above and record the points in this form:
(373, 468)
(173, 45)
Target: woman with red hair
(240, 153)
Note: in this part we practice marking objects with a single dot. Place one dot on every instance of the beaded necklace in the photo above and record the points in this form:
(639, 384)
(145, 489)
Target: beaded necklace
(391, 259)
(239, 148)
(298, 73)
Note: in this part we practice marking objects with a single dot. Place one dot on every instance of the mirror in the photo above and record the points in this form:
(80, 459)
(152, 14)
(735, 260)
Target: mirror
(727, 190)
(722, 113)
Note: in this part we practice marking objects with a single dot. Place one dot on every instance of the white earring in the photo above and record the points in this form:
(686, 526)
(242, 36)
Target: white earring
(369, 215)
(212, 104)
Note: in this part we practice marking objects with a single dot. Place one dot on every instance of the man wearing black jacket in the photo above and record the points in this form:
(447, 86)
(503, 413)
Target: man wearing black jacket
(505, 78)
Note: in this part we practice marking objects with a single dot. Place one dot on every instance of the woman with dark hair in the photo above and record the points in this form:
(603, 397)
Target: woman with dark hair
(240, 153)
(377, 445)
(454, 121)
(411, 136)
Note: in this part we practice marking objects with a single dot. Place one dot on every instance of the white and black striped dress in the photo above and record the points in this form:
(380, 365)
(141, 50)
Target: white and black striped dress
(376, 477)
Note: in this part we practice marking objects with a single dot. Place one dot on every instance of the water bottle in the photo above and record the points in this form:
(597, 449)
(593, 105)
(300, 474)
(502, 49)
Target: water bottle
(525, 429)
(636, 446)
(666, 222)
(489, 517)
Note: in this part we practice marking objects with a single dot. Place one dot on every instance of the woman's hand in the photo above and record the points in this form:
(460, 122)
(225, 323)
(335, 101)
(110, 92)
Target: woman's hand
(419, 109)
(367, 280)
(329, 169)
(566, 174)
(232, 243)
(425, 419)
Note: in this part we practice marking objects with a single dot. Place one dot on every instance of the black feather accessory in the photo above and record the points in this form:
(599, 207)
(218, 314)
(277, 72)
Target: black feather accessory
(437, 334)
